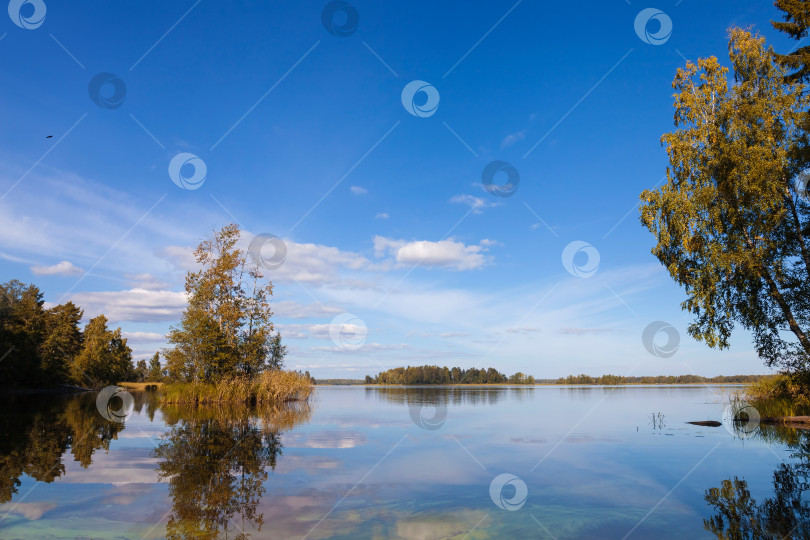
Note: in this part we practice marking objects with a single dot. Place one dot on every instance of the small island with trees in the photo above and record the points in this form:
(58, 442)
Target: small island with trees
(225, 348)
(444, 375)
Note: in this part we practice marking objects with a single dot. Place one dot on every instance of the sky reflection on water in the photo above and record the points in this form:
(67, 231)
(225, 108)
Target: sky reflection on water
(384, 462)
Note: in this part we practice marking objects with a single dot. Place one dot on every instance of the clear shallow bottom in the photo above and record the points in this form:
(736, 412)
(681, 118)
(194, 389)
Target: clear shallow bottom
(415, 463)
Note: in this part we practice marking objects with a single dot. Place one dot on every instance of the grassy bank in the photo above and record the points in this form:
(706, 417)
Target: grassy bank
(140, 385)
(779, 396)
(274, 386)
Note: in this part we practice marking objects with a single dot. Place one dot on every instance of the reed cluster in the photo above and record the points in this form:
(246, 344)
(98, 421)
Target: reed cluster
(780, 395)
(272, 386)
(141, 385)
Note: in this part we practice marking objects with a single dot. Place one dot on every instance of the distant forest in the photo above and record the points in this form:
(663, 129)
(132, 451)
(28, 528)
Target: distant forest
(445, 375)
(660, 379)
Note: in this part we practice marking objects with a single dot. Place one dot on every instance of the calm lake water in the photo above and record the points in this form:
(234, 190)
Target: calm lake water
(415, 463)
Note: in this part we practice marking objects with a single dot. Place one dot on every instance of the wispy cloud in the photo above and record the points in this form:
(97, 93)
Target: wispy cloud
(144, 336)
(146, 281)
(524, 330)
(513, 138)
(476, 203)
(582, 331)
(367, 347)
(62, 268)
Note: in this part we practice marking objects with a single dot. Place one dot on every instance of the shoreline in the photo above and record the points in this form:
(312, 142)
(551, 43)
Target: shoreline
(797, 422)
(54, 391)
(463, 385)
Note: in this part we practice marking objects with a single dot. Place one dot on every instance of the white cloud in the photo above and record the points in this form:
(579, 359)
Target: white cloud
(32, 511)
(304, 331)
(447, 335)
(366, 348)
(582, 331)
(144, 336)
(523, 330)
(316, 264)
(513, 138)
(146, 281)
(444, 253)
(137, 305)
(320, 331)
(12, 258)
(476, 203)
(288, 309)
(81, 220)
(325, 439)
(516, 137)
(357, 190)
(181, 257)
(62, 268)
(313, 264)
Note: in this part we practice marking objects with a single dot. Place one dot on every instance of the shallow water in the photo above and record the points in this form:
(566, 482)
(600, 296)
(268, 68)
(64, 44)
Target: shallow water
(416, 463)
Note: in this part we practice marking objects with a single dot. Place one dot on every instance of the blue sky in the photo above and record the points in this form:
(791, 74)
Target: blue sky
(387, 226)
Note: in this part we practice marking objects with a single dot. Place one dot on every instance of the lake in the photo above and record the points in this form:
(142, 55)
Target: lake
(415, 463)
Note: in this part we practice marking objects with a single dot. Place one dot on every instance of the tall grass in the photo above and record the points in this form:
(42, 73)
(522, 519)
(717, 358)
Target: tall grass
(273, 386)
(781, 395)
(139, 385)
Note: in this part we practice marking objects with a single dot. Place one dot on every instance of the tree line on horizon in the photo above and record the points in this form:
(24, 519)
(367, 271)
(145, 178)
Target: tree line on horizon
(659, 379)
(412, 375)
(444, 375)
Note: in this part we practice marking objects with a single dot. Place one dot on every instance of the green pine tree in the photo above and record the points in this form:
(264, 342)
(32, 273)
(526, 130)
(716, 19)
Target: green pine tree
(795, 24)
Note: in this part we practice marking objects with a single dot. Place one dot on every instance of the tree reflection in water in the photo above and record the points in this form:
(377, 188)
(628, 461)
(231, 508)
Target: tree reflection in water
(785, 515)
(449, 395)
(39, 430)
(216, 460)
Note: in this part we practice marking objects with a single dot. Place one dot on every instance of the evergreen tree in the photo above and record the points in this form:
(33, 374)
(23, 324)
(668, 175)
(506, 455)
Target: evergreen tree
(22, 327)
(140, 371)
(797, 19)
(61, 344)
(155, 372)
